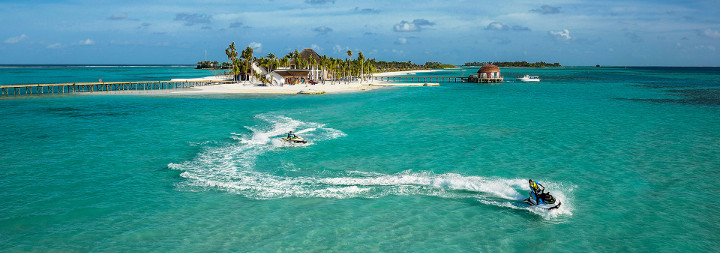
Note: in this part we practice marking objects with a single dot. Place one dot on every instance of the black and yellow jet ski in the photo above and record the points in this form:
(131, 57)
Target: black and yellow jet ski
(540, 198)
(294, 140)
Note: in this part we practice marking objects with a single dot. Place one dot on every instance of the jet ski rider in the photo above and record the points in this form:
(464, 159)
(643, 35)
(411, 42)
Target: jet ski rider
(542, 195)
(291, 136)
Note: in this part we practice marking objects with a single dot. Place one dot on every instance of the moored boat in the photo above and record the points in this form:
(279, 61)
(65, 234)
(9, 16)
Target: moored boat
(529, 78)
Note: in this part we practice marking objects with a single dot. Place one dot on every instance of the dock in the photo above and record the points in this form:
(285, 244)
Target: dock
(423, 79)
(440, 79)
(67, 88)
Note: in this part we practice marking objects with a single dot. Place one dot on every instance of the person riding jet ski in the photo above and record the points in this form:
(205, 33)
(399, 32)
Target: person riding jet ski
(538, 197)
(292, 138)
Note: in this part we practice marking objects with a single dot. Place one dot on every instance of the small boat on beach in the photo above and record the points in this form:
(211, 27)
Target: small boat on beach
(529, 78)
(311, 92)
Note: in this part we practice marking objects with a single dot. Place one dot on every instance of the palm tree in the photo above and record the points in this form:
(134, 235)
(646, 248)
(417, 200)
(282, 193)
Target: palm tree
(324, 66)
(372, 67)
(232, 56)
(247, 55)
(313, 64)
(296, 57)
(344, 65)
(349, 53)
(284, 61)
(237, 65)
(334, 68)
(273, 60)
(361, 57)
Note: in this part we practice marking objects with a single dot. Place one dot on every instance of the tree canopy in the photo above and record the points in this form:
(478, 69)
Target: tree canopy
(516, 64)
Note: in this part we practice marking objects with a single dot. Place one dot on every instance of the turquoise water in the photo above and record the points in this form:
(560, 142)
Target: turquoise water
(632, 154)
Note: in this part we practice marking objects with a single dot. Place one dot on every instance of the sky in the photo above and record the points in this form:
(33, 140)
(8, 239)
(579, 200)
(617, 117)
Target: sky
(571, 32)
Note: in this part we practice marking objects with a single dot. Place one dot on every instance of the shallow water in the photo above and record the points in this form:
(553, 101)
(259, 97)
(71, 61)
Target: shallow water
(632, 153)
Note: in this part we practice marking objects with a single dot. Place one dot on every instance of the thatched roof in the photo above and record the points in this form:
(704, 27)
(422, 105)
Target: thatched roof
(307, 53)
(290, 73)
(488, 68)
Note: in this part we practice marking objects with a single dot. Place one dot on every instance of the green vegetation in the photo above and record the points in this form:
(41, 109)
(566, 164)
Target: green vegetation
(515, 64)
(338, 69)
(208, 65)
(438, 65)
(239, 67)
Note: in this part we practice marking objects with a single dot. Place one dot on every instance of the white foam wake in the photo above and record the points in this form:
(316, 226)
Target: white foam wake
(231, 168)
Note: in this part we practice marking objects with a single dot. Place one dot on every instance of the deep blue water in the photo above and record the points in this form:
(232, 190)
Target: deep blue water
(632, 153)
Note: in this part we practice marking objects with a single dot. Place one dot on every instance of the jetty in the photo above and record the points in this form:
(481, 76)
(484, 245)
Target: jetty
(486, 74)
(423, 79)
(67, 88)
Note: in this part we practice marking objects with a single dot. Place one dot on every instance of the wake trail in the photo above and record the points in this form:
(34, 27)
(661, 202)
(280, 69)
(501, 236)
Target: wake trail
(231, 168)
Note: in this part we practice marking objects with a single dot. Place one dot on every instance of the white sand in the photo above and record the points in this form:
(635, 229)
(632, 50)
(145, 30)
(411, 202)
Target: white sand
(328, 87)
(207, 78)
(248, 88)
(398, 73)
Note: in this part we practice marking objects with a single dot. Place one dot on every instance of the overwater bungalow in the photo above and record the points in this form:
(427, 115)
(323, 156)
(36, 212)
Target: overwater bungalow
(488, 73)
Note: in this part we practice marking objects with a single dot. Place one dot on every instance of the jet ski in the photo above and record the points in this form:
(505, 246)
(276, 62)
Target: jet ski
(294, 140)
(540, 198)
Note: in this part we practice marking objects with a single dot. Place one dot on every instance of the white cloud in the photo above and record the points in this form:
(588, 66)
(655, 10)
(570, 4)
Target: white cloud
(404, 26)
(563, 35)
(497, 26)
(339, 49)
(54, 46)
(323, 30)
(414, 26)
(256, 46)
(711, 33)
(86, 42)
(401, 41)
(316, 48)
(13, 40)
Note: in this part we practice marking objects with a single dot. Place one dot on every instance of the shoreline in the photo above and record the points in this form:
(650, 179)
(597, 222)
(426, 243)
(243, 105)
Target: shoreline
(250, 88)
(407, 72)
(247, 87)
(320, 88)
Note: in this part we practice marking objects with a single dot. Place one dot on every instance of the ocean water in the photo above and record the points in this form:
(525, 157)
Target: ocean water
(633, 154)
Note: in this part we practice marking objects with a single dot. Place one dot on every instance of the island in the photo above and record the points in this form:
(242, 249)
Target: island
(515, 64)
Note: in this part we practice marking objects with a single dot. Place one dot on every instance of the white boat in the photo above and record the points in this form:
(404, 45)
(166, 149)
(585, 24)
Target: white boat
(529, 78)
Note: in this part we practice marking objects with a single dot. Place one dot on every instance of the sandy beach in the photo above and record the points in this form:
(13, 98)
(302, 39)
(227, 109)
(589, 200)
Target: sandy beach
(320, 88)
(249, 88)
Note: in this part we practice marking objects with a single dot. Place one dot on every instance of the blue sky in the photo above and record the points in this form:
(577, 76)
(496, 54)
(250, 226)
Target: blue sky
(574, 32)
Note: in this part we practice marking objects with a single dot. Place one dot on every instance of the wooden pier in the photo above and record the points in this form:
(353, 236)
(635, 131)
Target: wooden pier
(439, 79)
(423, 79)
(65, 88)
